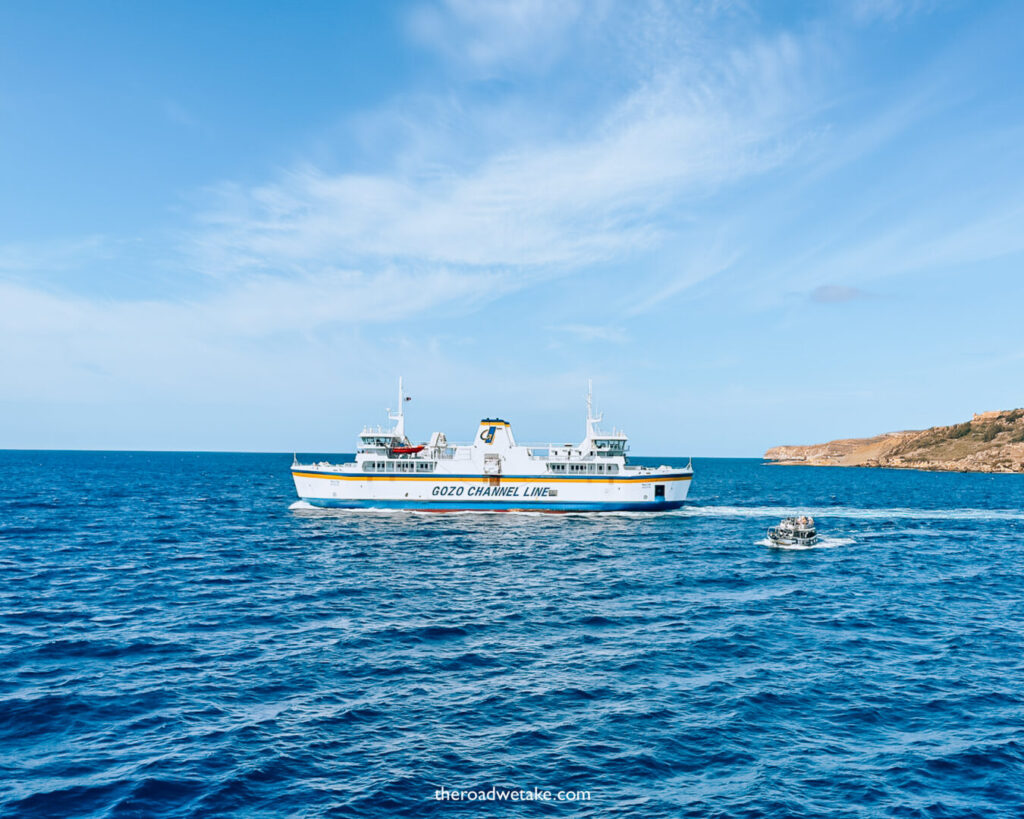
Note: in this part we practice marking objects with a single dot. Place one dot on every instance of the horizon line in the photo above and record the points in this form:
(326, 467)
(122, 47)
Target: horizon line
(294, 452)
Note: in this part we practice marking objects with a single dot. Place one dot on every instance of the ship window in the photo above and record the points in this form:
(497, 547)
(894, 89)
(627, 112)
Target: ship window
(613, 467)
(556, 467)
(659, 490)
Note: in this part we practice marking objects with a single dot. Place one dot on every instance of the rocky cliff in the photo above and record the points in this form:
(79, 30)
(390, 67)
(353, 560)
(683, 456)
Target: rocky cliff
(989, 442)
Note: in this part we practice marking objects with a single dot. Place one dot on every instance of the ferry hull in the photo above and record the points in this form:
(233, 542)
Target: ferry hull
(335, 490)
(480, 506)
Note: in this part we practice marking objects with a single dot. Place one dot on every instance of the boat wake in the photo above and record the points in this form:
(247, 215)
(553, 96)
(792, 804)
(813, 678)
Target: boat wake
(750, 512)
(823, 543)
(897, 513)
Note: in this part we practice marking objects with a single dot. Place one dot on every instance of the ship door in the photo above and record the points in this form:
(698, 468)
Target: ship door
(492, 468)
(659, 491)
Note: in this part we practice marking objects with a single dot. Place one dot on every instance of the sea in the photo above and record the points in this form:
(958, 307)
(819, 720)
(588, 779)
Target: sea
(176, 641)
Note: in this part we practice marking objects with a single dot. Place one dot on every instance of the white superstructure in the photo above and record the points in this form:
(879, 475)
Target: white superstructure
(492, 473)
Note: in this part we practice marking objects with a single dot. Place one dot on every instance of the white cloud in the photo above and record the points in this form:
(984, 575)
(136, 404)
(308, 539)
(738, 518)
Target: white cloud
(889, 11)
(491, 34)
(177, 114)
(312, 255)
(58, 345)
(933, 239)
(837, 294)
(699, 266)
(21, 258)
(594, 332)
(316, 252)
(559, 204)
(252, 307)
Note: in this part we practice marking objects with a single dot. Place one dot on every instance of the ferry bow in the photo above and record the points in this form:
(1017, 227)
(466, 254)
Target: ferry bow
(491, 474)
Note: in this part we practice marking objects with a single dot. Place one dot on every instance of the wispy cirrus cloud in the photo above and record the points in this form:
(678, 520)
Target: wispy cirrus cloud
(700, 266)
(562, 203)
(244, 334)
(867, 11)
(312, 253)
(255, 306)
(20, 258)
(593, 332)
(934, 239)
(589, 165)
(837, 294)
(489, 34)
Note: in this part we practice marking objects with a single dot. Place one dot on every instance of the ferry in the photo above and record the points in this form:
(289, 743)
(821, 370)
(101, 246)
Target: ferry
(493, 473)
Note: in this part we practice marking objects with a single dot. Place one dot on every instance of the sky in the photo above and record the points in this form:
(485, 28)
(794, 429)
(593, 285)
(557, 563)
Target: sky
(232, 226)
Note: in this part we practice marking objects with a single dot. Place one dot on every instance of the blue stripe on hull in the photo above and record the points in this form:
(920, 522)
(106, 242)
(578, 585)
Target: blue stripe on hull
(492, 506)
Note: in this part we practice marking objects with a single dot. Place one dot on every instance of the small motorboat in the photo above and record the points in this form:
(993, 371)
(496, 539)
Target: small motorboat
(795, 531)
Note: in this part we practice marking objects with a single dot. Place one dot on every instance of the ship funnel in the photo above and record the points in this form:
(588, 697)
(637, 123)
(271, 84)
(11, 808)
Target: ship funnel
(494, 435)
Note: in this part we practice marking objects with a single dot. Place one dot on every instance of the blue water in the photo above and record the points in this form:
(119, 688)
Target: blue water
(175, 642)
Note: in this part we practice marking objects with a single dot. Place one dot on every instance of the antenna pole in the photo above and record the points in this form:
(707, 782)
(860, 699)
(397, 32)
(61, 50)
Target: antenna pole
(399, 416)
(591, 418)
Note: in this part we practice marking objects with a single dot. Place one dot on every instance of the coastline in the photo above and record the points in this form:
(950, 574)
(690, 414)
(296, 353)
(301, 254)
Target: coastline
(990, 443)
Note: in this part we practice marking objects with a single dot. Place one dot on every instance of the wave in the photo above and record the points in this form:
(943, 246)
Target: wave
(889, 513)
(767, 512)
(823, 543)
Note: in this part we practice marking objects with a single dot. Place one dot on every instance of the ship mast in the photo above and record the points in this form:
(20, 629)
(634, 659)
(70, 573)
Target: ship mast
(592, 420)
(399, 417)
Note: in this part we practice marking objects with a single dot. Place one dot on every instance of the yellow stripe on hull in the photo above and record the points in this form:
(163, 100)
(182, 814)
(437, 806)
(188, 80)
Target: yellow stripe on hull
(477, 479)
